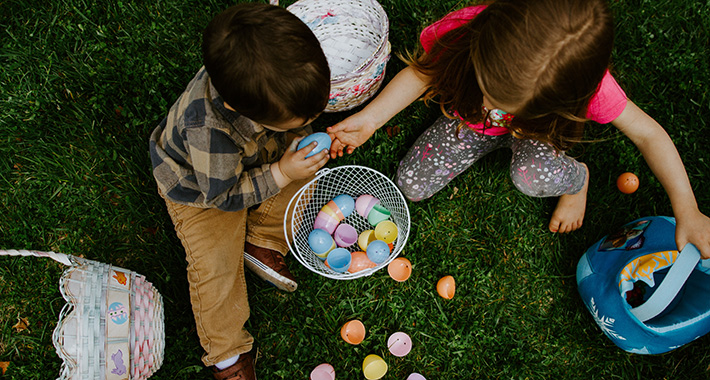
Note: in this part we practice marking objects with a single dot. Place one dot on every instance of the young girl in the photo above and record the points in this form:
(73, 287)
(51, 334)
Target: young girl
(525, 75)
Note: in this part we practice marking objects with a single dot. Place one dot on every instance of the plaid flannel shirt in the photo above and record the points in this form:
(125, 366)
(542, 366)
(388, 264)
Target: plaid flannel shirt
(206, 156)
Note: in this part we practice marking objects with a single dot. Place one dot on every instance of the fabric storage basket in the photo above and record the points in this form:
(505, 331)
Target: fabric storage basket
(647, 297)
(112, 326)
(354, 35)
(354, 181)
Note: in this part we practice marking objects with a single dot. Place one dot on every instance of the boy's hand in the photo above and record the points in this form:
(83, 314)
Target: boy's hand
(294, 164)
(350, 134)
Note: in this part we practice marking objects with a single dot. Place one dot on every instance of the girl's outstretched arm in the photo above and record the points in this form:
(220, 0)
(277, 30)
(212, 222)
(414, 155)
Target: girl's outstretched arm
(662, 157)
(406, 87)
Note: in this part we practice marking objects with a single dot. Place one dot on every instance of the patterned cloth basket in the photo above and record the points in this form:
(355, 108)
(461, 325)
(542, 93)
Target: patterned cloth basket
(112, 326)
(354, 37)
(647, 297)
(329, 183)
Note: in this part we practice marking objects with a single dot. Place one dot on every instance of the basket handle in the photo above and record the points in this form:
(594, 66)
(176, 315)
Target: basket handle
(319, 174)
(59, 257)
(670, 286)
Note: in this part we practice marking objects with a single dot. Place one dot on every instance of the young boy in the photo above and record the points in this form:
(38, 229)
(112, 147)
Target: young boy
(226, 164)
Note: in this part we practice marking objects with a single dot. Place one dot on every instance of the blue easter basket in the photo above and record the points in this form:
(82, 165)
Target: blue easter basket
(647, 297)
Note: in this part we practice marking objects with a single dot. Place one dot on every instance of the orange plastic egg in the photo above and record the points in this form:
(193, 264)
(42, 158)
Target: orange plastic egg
(446, 287)
(360, 262)
(627, 183)
(353, 332)
(400, 269)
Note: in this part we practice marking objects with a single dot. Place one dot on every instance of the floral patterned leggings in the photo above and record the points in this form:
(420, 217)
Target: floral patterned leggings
(537, 169)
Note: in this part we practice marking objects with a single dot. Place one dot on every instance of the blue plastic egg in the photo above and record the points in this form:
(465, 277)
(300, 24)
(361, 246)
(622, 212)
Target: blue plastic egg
(339, 260)
(321, 138)
(320, 242)
(378, 251)
(345, 203)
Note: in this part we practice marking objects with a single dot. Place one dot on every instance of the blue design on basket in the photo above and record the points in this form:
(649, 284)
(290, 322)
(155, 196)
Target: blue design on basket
(618, 274)
(328, 18)
(118, 313)
(119, 366)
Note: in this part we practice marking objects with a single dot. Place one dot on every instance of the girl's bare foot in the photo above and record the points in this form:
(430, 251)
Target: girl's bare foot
(569, 213)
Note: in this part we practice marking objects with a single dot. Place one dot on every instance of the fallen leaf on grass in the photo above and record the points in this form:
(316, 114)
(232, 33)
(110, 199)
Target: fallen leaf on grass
(393, 130)
(21, 325)
(456, 190)
(3, 366)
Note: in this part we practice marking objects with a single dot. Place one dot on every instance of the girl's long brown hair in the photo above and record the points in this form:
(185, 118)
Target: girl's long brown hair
(545, 57)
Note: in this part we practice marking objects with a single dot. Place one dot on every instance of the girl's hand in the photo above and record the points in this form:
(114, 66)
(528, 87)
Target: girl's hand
(694, 228)
(294, 165)
(350, 134)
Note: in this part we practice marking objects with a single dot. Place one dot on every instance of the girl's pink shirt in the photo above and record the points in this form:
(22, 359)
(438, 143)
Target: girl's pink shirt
(605, 106)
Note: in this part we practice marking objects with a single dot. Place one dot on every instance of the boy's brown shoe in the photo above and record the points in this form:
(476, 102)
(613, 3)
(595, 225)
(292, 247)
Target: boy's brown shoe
(270, 266)
(243, 369)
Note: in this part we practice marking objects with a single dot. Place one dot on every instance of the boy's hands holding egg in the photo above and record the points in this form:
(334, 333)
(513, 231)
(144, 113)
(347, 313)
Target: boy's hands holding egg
(300, 163)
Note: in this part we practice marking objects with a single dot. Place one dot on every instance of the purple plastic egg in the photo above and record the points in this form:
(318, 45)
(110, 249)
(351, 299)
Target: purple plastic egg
(325, 222)
(365, 203)
(345, 235)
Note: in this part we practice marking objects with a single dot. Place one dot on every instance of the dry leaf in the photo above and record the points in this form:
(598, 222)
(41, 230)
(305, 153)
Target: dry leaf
(3, 366)
(392, 130)
(456, 190)
(21, 325)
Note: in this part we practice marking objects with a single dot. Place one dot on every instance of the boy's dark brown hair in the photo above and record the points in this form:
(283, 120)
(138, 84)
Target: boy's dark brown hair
(266, 63)
(546, 58)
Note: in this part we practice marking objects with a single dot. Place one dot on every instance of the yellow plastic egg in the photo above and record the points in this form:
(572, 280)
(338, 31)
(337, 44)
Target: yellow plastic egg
(386, 231)
(366, 237)
(374, 367)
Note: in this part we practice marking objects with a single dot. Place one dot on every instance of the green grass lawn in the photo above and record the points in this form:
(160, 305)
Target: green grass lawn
(84, 82)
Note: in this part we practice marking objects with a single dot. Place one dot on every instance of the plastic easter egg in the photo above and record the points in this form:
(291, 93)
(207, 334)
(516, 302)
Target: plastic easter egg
(353, 332)
(345, 203)
(345, 235)
(339, 260)
(374, 367)
(365, 238)
(321, 242)
(446, 287)
(325, 222)
(415, 376)
(400, 269)
(378, 251)
(365, 203)
(386, 231)
(627, 183)
(399, 344)
(321, 138)
(378, 214)
(360, 262)
(323, 371)
(331, 209)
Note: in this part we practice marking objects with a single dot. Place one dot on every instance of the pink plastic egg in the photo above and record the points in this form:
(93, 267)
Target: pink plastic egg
(415, 376)
(325, 222)
(364, 204)
(399, 344)
(332, 209)
(323, 371)
(345, 235)
(360, 262)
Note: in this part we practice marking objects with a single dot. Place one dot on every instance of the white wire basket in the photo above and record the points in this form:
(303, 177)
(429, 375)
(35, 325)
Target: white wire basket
(354, 35)
(112, 326)
(354, 181)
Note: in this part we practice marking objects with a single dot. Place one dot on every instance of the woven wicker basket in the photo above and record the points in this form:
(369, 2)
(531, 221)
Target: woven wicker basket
(354, 37)
(112, 326)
